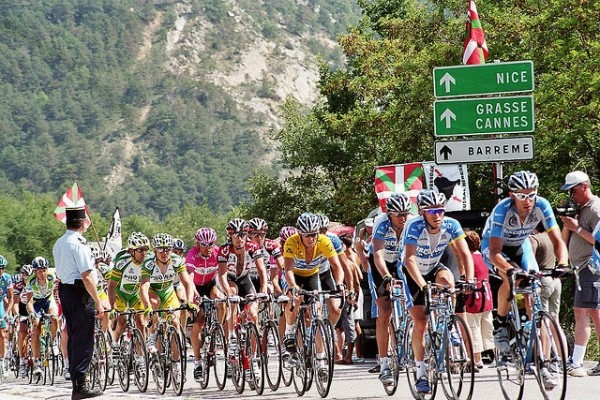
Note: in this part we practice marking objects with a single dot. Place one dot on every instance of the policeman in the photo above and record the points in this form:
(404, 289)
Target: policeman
(79, 298)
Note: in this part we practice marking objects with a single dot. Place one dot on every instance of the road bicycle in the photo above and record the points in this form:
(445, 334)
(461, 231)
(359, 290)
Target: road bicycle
(47, 355)
(213, 349)
(13, 347)
(448, 346)
(97, 374)
(313, 352)
(271, 345)
(400, 354)
(132, 356)
(247, 364)
(541, 351)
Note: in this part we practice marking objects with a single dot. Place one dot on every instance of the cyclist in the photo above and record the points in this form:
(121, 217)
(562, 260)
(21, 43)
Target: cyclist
(6, 294)
(179, 249)
(20, 301)
(425, 238)
(304, 254)
(272, 257)
(158, 273)
(383, 261)
(236, 258)
(40, 297)
(124, 283)
(506, 246)
(102, 272)
(202, 265)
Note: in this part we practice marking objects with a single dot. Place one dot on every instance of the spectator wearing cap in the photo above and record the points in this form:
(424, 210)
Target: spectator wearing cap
(79, 299)
(577, 232)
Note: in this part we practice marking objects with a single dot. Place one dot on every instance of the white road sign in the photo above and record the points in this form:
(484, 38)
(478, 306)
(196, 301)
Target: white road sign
(484, 151)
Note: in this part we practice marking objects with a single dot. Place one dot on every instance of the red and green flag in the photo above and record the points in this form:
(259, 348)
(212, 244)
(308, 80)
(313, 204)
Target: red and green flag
(399, 178)
(475, 48)
(73, 198)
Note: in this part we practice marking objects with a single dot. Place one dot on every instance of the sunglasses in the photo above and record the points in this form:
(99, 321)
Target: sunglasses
(435, 211)
(524, 196)
(240, 235)
(207, 244)
(258, 234)
(141, 250)
(309, 235)
(397, 214)
(163, 249)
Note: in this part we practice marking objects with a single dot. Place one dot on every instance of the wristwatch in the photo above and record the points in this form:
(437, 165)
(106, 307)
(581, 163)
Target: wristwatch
(579, 229)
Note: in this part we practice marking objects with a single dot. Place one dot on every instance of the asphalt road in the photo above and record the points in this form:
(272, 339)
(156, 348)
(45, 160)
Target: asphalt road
(349, 382)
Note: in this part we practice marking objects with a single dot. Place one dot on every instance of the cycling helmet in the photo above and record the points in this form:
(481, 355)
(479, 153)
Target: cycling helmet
(162, 240)
(237, 225)
(137, 240)
(308, 223)
(26, 269)
(206, 236)
(324, 221)
(3, 262)
(398, 202)
(258, 224)
(286, 232)
(39, 263)
(178, 244)
(522, 180)
(428, 198)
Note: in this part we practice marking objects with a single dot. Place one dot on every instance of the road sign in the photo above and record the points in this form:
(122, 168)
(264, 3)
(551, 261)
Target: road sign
(482, 151)
(496, 78)
(480, 116)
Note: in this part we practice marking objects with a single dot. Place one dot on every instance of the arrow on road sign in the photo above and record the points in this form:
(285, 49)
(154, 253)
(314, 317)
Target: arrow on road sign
(445, 151)
(448, 115)
(446, 80)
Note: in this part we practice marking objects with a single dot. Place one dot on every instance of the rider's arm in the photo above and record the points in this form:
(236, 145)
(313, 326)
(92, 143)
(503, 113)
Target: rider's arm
(9, 298)
(222, 277)
(560, 248)
(112, 287)
(144, 287)
(262, 274)
(496, 256)
(29, 303)
(379, 257)
(410, 251)
(289, 272)
(274, 271)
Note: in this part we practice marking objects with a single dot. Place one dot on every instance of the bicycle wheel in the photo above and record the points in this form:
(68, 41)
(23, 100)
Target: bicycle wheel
(255, 358)
(393, 361)
(218, 355)
(101, 347)
(184, 347)
(322, 360)
(272, 355)
(300, 367)
(511, 368)
(459, 377)
(15, 361)
(237, 367)
(411, 366)
(432, 349)
(550, 357)
(175, 362)
(159, 364)
(138, 360)
(109, 360)
(124, 362)
(331, 336)
(205, 357)
(48, 361)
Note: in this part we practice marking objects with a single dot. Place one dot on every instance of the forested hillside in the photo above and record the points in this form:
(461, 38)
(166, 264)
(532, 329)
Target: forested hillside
(153, 105)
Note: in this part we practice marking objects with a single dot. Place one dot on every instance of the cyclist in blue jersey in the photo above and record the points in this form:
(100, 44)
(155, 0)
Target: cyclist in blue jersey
(505, 244)
(6, 295)
(383, 260)
(425, 239)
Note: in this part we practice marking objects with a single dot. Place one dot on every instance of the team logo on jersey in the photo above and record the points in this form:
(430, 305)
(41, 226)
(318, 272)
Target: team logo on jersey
(512, 221)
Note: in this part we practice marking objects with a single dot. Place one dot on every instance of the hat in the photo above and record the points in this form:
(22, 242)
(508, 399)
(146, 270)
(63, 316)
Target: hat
(573, 179)
(75, 213)
(369, 222)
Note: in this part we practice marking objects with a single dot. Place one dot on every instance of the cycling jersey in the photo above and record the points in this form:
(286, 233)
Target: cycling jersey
(295, 250)
(430, 247)
(504, 222)
(5, 285)
(203, 269)
(162, 283)
(226, 254)
(271, 251)
(127, 275)
(383, 230)
(19, 287)
(39, 291)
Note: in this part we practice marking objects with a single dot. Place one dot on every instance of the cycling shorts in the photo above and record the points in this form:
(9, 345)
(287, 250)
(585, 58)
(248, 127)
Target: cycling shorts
(122, 305)
(311, 282)
(326, 280)
(521, 255)
(204, 290)
(417, 294)
(46, 305)
(167, 298)
(377, 279)
(244, 284)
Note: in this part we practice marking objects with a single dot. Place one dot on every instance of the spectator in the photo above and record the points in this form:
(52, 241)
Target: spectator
(577, 232)
(479, 304)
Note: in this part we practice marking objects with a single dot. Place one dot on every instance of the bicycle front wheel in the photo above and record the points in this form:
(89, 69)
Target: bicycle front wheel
(511, 367)
(123, 362)
(48, 361)
(255, 358)
(139, 360)
(271, 348)
(459, 377)
(159, 364)
(550, 357)
(176, 360)
(218, 355)
(322, 358)
(300, 367)
(102, 361)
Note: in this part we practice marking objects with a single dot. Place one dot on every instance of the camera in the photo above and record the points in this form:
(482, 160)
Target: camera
(567, 208)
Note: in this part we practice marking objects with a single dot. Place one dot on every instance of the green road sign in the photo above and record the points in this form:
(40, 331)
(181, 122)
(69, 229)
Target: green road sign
(481, 116)
(495, 78)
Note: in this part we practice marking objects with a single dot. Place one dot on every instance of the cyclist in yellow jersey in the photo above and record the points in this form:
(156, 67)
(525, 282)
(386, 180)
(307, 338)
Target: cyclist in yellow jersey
(304, 253)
